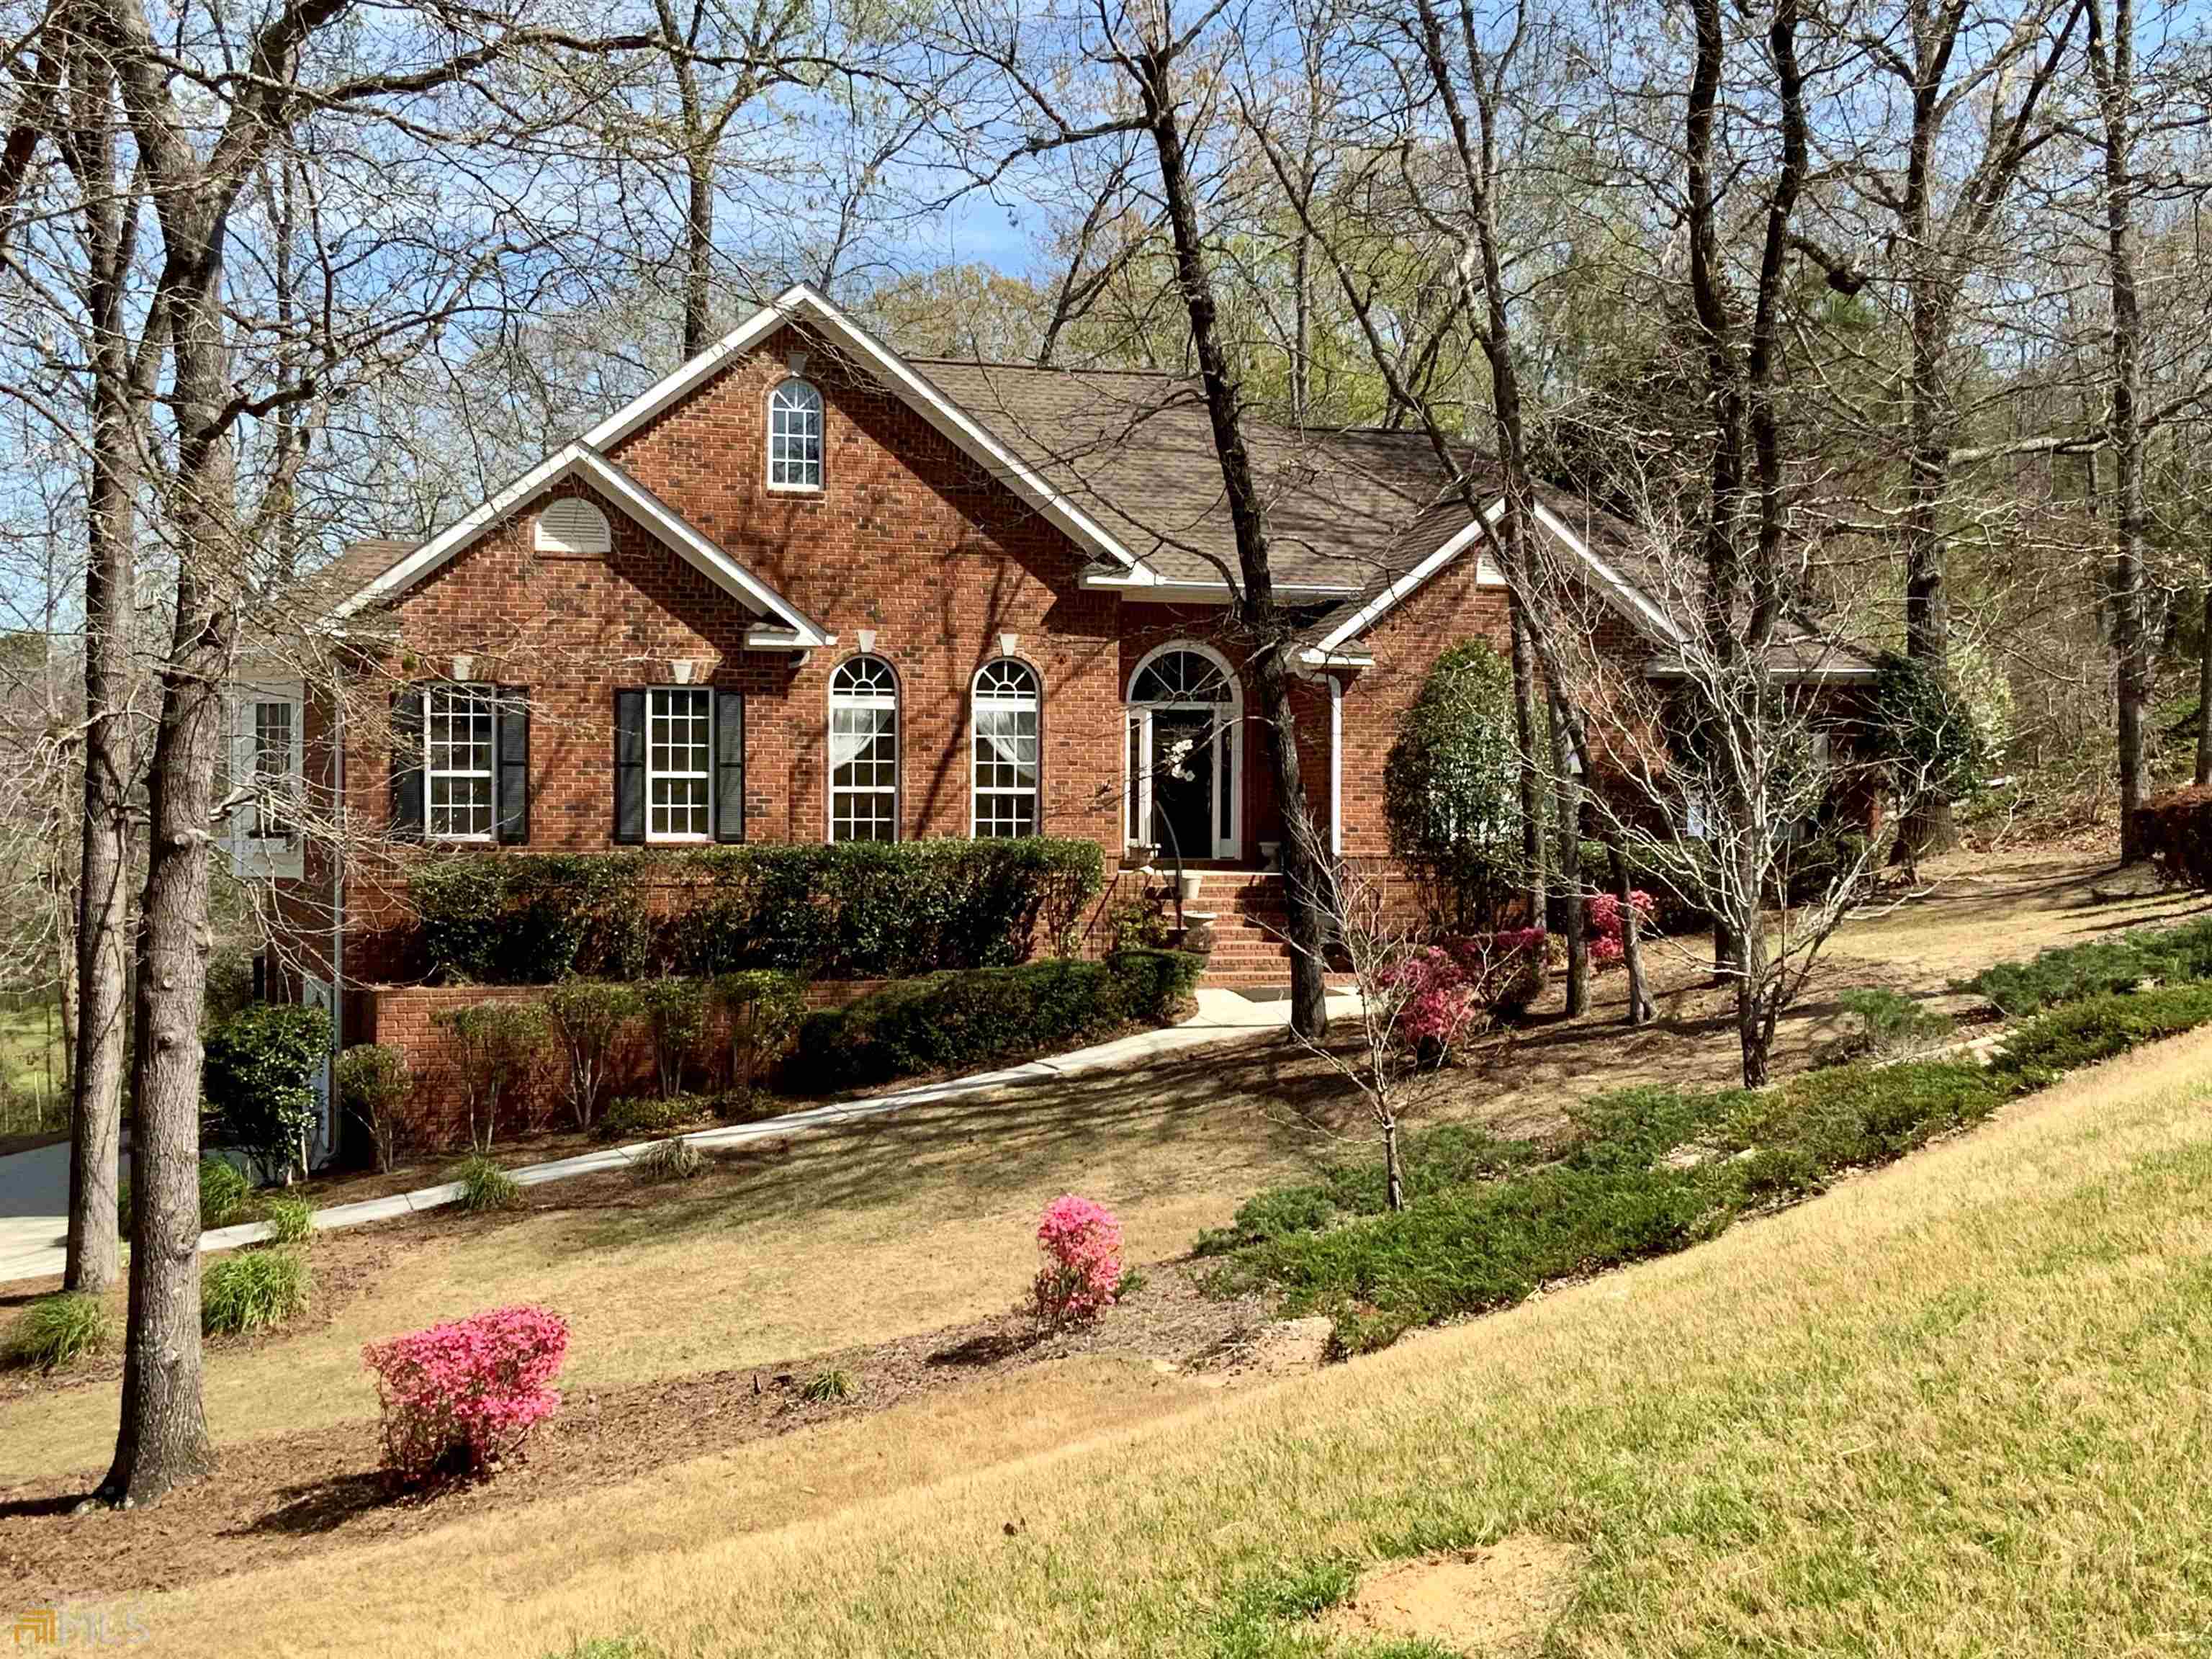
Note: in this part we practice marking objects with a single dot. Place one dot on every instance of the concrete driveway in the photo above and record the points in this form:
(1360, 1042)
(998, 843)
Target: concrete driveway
(34, 1211)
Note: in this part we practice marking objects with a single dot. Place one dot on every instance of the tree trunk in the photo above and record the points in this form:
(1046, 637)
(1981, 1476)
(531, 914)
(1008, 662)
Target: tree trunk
(119, 390)
(1394, 1173)
(162, 1440)
(2113, 66)
(1533, 861)
(699, 255)
(1267, 635)
(1567, 798)
(2203, 772)
(1927, 602)
(1640, 1010)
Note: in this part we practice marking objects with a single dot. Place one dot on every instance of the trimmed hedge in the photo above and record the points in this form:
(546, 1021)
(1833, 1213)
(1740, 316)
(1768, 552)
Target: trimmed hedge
(2174, 832)
(854, 911)
(963, 1020)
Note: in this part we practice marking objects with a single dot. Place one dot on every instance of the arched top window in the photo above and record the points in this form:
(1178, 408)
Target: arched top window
(794, 437)
(1008, 708)
(570, 524)
(864, 750)
(1181, 674)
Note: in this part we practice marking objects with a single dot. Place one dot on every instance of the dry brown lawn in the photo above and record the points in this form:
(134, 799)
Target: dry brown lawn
(922, 1221)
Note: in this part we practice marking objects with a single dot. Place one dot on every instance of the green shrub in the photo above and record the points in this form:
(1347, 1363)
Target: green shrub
(2073, 973)
(485, 1186)
(290, 1220)
(1889, 1023)
(1649, 1171)
(494, 1042)
(639, 1117)
(762, 1008)
(674, 1013)
(964, 1020)
(1922, 724)
(1450, 787)
(673, 1159)
(259, 1078)
(2083, 1033)
(373, 1083)
(59, 1330)
(585, 1017)
(850, 911)
(226, 1194)
(253, 1290)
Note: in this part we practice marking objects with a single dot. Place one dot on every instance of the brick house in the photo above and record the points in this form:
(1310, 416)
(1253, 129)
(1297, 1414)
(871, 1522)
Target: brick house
(804, 588)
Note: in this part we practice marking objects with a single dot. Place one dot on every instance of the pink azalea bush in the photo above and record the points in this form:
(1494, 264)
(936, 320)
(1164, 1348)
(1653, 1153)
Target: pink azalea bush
(1082, 1270)
(458, 1395)
(1606, 945)
(1451, 987)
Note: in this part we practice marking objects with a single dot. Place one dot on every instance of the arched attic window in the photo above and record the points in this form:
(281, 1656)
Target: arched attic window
(794, 437)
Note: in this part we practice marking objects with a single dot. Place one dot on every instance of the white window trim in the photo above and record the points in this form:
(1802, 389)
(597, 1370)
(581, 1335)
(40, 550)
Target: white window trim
(253, 855)
(1228, 749)
(490, 694)
(831, 788)
(822, 440)
(1034, 705)
(688, 838)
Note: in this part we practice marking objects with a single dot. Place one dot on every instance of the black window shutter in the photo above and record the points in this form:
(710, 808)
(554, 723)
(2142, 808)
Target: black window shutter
(729, 765)
(629, 766)
(513, 739)
(407, 763)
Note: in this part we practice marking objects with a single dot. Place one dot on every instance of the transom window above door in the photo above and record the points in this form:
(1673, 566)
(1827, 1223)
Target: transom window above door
(1182, 676)
(794, 437)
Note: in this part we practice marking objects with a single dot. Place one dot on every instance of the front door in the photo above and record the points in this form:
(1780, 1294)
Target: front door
(1184, 766)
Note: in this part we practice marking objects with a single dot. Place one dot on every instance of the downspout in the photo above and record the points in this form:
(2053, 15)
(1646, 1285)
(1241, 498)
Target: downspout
(1336, 765)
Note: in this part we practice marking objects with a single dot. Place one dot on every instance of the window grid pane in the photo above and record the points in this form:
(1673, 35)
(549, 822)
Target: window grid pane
(1005, 755)
(271, 781)
(457, 762)
(794, 437)
(679, 759)
(864, 740)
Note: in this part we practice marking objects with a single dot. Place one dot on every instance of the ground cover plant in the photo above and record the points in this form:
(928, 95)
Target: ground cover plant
(256, 1290)
(2071, 973)
(1651, 1170)
(485, 1186)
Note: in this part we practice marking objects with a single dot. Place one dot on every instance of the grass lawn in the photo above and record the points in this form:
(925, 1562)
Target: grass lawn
(1958, 1406)
(1566, 1422)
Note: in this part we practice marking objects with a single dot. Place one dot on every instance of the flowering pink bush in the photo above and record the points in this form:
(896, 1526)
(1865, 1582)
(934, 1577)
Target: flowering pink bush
(1606, 946)
(457, 1395)
(1440, 1002)
(1082, 1270)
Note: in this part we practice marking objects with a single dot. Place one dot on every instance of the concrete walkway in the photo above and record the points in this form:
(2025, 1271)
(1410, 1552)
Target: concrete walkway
(31, 1237)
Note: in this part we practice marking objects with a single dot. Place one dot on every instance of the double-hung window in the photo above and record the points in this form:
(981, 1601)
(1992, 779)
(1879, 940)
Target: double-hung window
(1006, 711)
(274, 782)
(458, 766)
(680, 762)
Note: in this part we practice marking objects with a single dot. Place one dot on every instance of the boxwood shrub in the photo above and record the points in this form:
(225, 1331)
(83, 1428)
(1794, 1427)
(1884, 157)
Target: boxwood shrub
(854, 911)
(962, 1020)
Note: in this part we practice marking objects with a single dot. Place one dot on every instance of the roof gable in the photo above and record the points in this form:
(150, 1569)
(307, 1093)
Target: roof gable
(801, 303)
(784, 625)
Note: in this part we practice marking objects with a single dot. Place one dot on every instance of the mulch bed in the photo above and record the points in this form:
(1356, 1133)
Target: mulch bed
(290, 1497)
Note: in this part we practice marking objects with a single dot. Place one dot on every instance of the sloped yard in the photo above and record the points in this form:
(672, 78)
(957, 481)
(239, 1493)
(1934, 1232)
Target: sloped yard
(848, 1249)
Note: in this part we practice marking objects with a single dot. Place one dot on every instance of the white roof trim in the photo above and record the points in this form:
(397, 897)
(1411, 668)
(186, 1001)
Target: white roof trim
(1623, 595)
(1487, 574)
(1146, 584)
(639, 502)
(803, 300)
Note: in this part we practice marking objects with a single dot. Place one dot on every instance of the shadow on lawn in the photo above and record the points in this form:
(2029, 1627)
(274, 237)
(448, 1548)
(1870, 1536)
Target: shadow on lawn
(984, 1145)
(320, 1506)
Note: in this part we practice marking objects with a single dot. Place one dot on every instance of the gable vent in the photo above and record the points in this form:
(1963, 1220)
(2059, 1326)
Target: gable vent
(572, 525)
